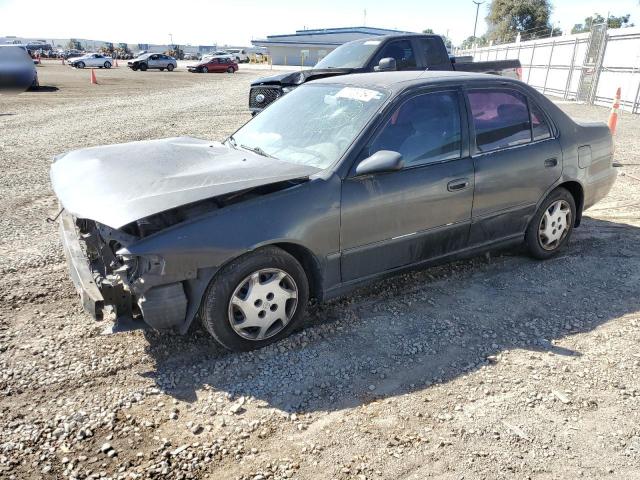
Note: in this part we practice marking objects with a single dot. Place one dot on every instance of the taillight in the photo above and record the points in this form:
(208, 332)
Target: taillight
(519, 73)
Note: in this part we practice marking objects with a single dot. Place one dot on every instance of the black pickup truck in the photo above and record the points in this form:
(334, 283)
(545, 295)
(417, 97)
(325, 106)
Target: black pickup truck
(376, 54)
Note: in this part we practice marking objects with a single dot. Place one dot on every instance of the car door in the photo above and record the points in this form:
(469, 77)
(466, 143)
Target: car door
(93, 60)
(402, 51)
(516, 156)
(394, 219)
(153, 61)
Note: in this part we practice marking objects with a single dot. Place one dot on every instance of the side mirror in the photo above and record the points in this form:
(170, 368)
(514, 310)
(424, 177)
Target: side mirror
(381, 161)
(386, 65)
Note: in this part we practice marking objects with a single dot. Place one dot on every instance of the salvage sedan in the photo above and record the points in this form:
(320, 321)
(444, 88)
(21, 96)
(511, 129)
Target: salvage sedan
(340, 182)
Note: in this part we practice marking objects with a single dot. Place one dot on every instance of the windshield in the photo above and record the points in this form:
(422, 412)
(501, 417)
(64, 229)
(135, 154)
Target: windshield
(313, 125)
(350, 55)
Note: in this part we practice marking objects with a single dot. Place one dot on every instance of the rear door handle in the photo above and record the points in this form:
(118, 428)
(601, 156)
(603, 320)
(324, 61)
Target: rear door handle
(551, 162)
(458, 184)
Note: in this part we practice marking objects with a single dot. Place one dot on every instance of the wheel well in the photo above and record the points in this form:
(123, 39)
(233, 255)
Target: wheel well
(575, 189)
(309, 264)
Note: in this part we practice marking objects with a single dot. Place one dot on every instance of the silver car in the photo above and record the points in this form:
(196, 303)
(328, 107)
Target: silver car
(153, 60)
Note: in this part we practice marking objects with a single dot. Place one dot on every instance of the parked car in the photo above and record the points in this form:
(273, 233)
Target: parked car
(220, 64)
(379, 54)
(17, 70)
(190, 56)
(339, 183)
(240, 55)
(158, 61)
(97, 60)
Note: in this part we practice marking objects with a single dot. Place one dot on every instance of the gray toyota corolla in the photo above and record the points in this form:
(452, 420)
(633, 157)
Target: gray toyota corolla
(340, 182)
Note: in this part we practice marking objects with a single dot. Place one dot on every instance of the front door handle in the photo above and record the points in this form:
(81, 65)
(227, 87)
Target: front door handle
(551, 162)
(458, 184)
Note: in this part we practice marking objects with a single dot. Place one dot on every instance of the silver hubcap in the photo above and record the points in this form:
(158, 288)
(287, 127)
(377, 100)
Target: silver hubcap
(263, 304)
(554, 225)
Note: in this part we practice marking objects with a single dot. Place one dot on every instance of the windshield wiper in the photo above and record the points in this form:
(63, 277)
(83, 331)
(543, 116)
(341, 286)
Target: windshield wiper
(257, 150)
(232, 141)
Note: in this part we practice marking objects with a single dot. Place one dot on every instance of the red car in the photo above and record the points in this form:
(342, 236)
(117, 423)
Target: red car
(219, 64)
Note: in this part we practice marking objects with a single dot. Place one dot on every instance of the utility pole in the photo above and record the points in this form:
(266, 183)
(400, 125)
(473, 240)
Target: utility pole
(475, 25)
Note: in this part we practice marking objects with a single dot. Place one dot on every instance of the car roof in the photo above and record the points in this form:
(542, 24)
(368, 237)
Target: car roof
(396, 81)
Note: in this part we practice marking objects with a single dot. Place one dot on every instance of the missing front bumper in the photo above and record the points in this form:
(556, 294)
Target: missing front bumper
(161, 306)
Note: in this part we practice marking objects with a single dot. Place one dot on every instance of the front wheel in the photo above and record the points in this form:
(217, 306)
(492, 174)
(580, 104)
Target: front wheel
(80, 65)
(257, 299)
(551, 227)
(170, 67)
(143, 67)
(134, 68)
(107, 64)
(230, 70)
(204, 70)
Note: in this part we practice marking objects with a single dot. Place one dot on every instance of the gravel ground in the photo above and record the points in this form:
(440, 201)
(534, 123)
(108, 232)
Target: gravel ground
(497, 367)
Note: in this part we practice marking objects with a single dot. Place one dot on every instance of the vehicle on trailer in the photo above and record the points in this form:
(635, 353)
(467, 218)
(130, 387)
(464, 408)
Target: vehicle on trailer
(343, 181)
(92, 60)
(17, 70)
(158, 61)
(377, 54)
(218, 64)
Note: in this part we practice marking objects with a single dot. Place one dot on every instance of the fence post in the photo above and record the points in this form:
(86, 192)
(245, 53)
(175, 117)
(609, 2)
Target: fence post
(546, 76)
(533, 52)
(571, 67)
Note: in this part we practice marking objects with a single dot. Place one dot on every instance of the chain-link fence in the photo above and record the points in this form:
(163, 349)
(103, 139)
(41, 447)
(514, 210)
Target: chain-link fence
(586, 67)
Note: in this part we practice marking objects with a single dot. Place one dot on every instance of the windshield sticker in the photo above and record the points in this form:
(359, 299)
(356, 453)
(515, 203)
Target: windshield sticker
(372, 42)
(361, 94)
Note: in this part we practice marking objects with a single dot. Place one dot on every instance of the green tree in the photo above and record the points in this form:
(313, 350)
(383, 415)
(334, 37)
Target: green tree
(507, 18)
(612, 22)
(468, 42)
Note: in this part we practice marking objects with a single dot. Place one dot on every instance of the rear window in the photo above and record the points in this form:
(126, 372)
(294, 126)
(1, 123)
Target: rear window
(500, 117)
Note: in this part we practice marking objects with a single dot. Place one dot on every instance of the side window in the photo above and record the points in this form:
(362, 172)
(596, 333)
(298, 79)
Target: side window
(402, 51)
(539, 124)
(500, 117)
(424, 129)
(434, 54)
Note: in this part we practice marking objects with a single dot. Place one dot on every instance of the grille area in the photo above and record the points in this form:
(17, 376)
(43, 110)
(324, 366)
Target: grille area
(270, 95)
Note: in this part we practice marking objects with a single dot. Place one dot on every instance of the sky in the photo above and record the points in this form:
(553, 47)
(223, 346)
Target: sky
(237, 22)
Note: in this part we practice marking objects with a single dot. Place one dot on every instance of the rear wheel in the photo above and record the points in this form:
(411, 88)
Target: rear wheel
(256, 300)
(170, 67)
(551, 227)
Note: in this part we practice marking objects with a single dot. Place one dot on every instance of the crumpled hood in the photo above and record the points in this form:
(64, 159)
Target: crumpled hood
(118, 184)
(298, 78)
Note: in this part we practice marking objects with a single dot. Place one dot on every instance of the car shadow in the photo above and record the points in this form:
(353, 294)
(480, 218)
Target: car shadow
(409, 332)
(44, 89)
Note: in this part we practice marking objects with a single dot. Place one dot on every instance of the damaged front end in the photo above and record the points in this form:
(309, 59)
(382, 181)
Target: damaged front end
(124, 285)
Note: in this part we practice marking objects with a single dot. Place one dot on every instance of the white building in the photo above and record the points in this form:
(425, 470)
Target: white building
(308, 47)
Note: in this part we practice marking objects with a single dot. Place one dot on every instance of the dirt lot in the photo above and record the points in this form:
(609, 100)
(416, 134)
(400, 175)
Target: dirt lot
(499, 367)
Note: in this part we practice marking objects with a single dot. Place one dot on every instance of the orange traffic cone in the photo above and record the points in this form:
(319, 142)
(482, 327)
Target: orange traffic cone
(93, 77)
(613, 117)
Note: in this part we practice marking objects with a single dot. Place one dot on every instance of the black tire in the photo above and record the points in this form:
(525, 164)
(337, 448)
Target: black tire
(143, 67)
(214, 311)
(107, 64)
(204, 70)
(162, 69)
(532, 236)
(134, 68)
(170, 67)
(230, 70)
(80, 65)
